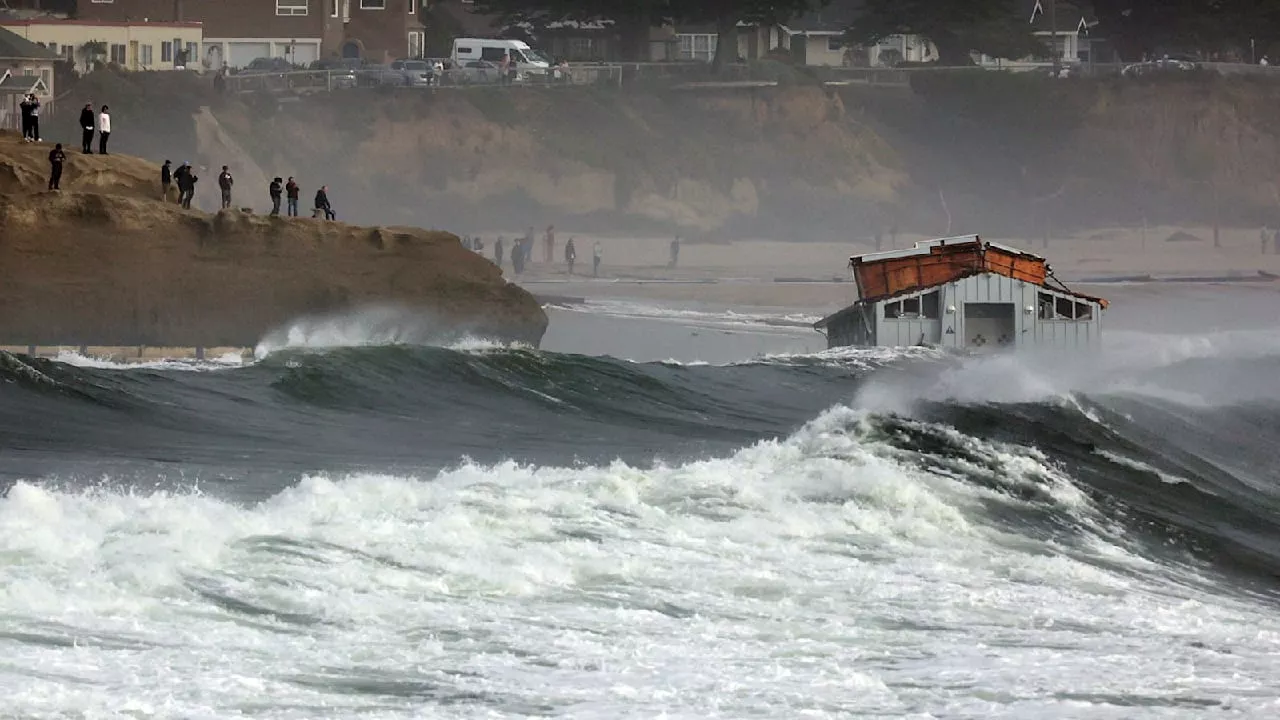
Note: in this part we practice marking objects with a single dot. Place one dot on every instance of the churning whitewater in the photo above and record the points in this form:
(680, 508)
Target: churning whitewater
(392, 531)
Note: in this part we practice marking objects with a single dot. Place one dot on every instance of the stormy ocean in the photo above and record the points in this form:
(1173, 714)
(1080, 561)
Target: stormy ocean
(350, 526)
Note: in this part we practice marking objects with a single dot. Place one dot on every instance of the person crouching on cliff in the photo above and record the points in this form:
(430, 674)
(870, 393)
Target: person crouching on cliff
(291, 191)
(275, 190)
(56, 158)
(225, 181)
(86, 125)
(322, 203)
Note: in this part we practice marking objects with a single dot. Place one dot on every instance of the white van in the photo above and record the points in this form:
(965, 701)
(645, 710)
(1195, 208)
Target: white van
(526, 60)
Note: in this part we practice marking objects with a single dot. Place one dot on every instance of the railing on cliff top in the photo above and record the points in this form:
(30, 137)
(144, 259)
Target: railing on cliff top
(688, 75)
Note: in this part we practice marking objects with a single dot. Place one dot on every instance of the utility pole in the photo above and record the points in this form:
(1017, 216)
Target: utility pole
(1053, 29)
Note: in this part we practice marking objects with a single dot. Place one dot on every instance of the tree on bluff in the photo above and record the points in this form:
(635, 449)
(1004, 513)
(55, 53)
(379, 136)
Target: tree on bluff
(956, 27)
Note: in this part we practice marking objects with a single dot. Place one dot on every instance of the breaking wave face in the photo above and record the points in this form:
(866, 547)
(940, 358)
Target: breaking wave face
(477, 531)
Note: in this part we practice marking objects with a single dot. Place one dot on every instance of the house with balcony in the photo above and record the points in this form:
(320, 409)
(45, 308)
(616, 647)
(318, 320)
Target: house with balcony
(130, 45)
(25, 68)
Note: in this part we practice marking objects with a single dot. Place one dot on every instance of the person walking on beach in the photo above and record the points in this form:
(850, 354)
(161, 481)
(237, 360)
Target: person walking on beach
(291, 191)
(104, 130)
(595, 260)
(56, 158)
(549, 245)
(570, 255)
(275, 190)
(86, 126)
(675, 253)
(225, 181)
(166, 180)
(322, 203)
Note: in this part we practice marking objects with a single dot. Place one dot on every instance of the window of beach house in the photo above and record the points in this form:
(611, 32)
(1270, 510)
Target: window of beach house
(166, 51)
(835, 43)
(914, 308)
(373, 4)
(291, 7)
(117, 54)
(145, 54)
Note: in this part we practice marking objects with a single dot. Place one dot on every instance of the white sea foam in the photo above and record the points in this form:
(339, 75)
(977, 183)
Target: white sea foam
(691, 316)
(823, 575)
(228, 360)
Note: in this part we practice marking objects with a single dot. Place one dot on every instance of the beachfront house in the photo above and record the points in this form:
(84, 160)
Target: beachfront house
(25, 68)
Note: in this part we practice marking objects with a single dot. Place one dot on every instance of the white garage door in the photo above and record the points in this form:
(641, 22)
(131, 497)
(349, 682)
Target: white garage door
(302, 54)
(240, 54)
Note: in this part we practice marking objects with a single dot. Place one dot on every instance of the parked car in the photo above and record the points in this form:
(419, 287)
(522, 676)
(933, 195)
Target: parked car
(1164, 64)
(475, 72)
(415, 73)
(267, 65)
(342, 72)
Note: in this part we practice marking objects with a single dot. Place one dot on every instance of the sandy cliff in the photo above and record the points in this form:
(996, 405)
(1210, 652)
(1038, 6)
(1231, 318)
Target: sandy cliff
(1012, 154)
(104, 263)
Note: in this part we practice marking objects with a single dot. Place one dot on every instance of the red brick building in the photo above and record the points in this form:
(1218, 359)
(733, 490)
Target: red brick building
(236, 32)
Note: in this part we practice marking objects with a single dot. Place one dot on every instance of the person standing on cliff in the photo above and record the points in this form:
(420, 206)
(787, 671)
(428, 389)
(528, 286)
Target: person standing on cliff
(499, 246)
(276, 190)
(570, 255)
(35, 119)
(104, 130)
(25, 107)
(56, 158)
(86, 125)
(166, 180)
(322, 203)
(225, 181)
(549, 245)
(291, 191)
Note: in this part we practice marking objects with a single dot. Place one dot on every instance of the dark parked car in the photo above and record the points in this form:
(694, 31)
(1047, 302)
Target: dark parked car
(475, 72)
(267, 65)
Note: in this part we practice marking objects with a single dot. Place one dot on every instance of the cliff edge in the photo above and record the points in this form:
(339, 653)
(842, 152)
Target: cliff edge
(104, 262)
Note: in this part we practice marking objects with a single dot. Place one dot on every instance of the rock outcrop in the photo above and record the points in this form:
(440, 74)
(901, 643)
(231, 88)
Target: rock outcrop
(105, 262)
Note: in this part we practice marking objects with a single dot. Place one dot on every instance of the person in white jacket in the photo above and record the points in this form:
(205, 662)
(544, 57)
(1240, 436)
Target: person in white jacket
(104, 130)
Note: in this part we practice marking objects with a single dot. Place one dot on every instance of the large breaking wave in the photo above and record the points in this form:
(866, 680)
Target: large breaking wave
(505, 531)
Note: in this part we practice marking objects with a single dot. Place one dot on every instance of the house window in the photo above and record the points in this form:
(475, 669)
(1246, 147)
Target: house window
(835, 43)
(166, 52)
(416, 41)
(291, 7)
(103, 2)
(145, 54)
(117, 54)
(333, 8)
(373, 4)
(69, 52)
(920, 307)
(413, 8)
(1052, 307)
(45, 77)
(701, 47)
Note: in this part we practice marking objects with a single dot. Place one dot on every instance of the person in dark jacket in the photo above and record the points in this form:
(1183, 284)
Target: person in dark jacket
(56, 158)
(276, 190)
(570, 254)
(25, 107)
(87, 123)
(322, 203)
(166, 180)
(225, 181)
(291, 191)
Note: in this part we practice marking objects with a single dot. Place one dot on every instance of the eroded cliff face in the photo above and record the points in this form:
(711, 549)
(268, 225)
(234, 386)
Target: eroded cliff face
(970, 151)
(114, 266)
(700, 163)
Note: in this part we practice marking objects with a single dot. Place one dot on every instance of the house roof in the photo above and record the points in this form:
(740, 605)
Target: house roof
(14, 46)
(22, 84)
(835, 17)
(1069, 12)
